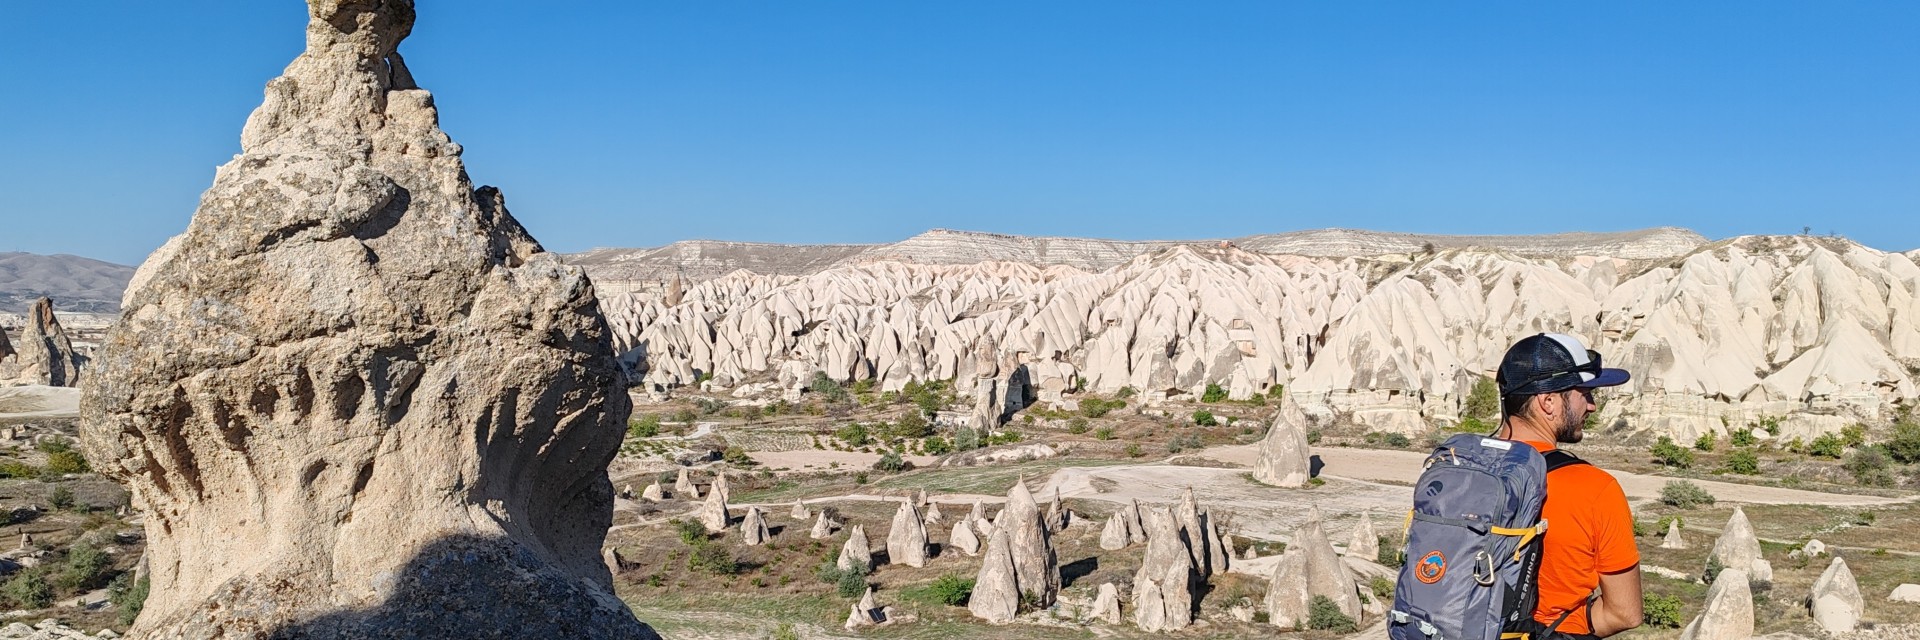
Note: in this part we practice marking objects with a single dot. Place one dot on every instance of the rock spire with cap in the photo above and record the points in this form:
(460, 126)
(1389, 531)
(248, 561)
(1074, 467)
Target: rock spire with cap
(355, 395)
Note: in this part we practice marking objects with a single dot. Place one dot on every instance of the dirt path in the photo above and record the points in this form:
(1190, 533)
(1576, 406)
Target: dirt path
(37, 401)
(1403, 468)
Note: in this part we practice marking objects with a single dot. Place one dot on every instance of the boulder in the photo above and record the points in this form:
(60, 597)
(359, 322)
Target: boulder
(651, 493)
(719, 488)
(1219, 555)
(1056, 518)
(1114, 535)
(1286, 459)
(1249, 554)
(615, 563)
(1194, 532)
(864, 613)
(857, 552)
(1729, 611)
(1163, 586)
(713, 513)
(753, 529)
(996, 589)
(1035, 566)
(1318, 571)
(683, 487)
(1364, 543)
(355, 398)
(920, 499)
(1905, 593)
(822, 527)
(1673, 539)
(800, 512)
(1106, 605)
(933, 516)
(1136, 526)
(907, 538)
(1812, 549)
(1835, 601)
(976, 514)
(45, 355)
(962, 538)
(1739, 548)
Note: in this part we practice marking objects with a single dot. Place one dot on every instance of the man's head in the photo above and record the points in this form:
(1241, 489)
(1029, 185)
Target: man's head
(1548, 380)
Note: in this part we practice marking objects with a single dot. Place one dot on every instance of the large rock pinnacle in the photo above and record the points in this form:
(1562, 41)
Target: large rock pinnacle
(355, 397)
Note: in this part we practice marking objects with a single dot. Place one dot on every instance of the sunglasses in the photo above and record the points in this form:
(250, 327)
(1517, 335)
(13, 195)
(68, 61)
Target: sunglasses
(1592, 366)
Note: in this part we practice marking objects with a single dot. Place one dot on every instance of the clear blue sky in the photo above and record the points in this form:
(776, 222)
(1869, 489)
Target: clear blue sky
(641, 123)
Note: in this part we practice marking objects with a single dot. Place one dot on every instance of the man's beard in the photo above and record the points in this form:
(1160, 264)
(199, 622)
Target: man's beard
(1571, 432)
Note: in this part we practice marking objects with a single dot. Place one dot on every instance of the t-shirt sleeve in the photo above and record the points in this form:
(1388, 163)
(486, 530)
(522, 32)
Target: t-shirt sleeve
(1614, 546)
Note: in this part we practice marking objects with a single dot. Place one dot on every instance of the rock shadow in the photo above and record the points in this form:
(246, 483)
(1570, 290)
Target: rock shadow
(474, 587)
(1078, 569)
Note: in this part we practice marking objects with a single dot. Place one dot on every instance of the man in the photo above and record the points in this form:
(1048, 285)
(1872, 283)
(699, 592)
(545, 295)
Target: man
(1589, 565)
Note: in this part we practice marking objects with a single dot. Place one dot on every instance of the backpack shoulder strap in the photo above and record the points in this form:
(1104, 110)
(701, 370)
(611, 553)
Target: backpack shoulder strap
(1558, 458)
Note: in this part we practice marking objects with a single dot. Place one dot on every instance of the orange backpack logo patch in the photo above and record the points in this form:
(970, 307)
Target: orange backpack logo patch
(1431, 567)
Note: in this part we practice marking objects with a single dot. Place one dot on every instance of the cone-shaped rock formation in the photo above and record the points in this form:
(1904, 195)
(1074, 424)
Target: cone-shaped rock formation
(355, 396)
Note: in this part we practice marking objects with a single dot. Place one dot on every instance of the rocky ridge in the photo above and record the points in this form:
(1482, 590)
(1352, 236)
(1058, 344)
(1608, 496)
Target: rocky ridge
(1819, 331)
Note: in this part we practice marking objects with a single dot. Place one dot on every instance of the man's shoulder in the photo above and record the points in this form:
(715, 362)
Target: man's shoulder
(1586, 477)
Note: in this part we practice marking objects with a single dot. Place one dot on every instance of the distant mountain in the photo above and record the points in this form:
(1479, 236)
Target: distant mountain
(76, 284)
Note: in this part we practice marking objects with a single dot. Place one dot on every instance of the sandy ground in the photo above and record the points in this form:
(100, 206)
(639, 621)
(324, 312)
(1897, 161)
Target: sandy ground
(37, 401)
(818, 460)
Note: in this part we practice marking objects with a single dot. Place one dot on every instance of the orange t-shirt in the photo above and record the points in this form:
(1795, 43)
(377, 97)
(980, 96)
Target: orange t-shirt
(1589, 532)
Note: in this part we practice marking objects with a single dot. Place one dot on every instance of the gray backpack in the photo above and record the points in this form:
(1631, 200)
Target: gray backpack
(1473, 543)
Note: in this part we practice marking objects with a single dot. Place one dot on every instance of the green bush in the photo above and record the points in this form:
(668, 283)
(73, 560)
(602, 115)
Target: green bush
(828, 388)
(1123, 393)
(936, 446)
(1134, 450)
(1397, 440)
(737, 456)
(1870, 466)
(966, 439)
(849, 583)
(85, 569)
(1661, 611)
(1313, 436)
(1389, 554)
(645, 426)
(27, 589)
(785, 632)
(1096, 407)
(1854, 435)
(1483, 401)
(1077, 425)
(891, 463)
(912, 425)
(18, 469)
(952, 590)
(1204, 418)
(1382, 587)
(60, 498)
(1213, 394)
(1744, 462)
(1713, 569)
(67, 461)
(690, 532)
(1828, 445)
(1667, 453)
(128, 596)
(1684, 494)
(1904, 444)
(1705, 442)
(1324, 615)
(1743, 438)
(685, 416)
(712, 558)
(1103, 433)
(854, 434)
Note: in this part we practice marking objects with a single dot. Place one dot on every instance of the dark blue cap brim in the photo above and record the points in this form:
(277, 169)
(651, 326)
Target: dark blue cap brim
(1607, 378)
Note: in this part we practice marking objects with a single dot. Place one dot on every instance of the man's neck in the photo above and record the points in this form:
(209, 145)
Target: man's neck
(1518, 428)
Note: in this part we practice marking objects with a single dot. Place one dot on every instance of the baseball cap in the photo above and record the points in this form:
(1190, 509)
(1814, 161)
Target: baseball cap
(1550, 362)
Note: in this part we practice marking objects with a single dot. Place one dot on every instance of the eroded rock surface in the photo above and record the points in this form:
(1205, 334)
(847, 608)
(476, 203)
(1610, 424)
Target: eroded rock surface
(1163, 585)
(907, 538)
(1835, 601)
(1739, 548)
(355, 398)
(996, 589)
(1286, 459)
(45, 355)
(1729, 611)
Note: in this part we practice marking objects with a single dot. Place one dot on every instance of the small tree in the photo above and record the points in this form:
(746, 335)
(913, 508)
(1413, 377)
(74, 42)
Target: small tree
(1827, 445)
(645, 426)
(1483, 401)
(1204, 418)
(1661, 611)
(1213, 394)
(1904, 445)
(1869, 466)
(1705, 442)
(1743, 438)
